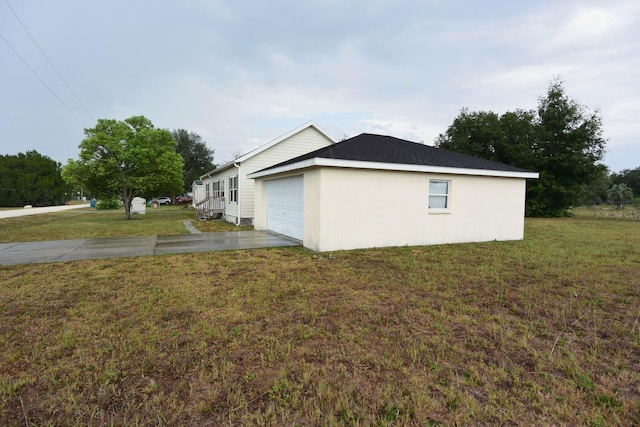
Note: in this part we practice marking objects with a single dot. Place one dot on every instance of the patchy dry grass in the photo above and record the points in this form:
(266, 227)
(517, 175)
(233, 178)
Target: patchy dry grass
(544, 331)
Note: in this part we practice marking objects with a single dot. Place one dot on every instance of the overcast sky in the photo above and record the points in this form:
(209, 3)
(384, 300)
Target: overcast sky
(241, 73)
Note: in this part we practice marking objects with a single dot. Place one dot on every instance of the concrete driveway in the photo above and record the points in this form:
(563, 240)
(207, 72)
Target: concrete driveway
(115, 247)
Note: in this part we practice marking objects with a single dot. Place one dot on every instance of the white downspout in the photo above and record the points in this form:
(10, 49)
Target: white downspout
(238, 195)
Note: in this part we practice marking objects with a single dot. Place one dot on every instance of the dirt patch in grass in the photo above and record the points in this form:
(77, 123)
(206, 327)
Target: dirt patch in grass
(543, 331)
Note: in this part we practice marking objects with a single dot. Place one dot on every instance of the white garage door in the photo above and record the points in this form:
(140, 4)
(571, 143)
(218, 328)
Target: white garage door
(284, 206)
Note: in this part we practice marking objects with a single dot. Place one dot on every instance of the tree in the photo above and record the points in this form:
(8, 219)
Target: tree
(561, 140)
(596, 191)
(568, 151)
(31, 179)
(125, 159)
(619, 194)
(474, 133)
(197, 157)
(629, 177)
(505, 139)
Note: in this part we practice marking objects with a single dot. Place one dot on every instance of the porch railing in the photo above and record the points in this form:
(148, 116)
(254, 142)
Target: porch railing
(210, 208)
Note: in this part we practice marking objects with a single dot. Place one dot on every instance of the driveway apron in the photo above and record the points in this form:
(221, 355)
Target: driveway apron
(117, 247)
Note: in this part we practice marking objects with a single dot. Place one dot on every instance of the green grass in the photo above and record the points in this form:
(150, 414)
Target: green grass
(629, 212)
(544, 331)
(89, 223)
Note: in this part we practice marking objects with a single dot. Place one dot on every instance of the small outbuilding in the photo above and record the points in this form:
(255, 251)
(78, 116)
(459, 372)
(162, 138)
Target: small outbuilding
(378, 191)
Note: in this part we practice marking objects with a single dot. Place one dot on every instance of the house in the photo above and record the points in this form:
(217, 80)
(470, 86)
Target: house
(228, 191)
(377, 191)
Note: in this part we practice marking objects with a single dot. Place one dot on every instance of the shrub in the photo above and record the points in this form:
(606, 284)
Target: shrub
(108, 204)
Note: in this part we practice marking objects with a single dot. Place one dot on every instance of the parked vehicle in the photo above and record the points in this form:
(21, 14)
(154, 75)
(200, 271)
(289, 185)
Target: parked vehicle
(161, 200)
(184, 198)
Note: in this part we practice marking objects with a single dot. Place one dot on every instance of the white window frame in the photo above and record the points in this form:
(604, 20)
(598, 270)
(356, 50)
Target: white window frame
(447, 196)
(233, 189)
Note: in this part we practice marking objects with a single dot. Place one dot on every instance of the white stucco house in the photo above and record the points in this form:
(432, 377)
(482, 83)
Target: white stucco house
(228, 191)
(378, 191)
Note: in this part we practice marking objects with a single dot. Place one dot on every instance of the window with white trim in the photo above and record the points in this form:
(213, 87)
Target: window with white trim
(216, 188)
(439, 194)
(222, 188)
(207, 192)
(233, 189)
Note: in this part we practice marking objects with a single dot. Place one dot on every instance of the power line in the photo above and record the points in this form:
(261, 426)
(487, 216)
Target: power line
(48, 60)
(43, 82)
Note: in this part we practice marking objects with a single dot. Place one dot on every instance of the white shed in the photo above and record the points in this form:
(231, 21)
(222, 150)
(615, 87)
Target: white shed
(378, 191)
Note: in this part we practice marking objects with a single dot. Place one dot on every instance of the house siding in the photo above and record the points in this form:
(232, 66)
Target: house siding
(308, 139)
(302, 142)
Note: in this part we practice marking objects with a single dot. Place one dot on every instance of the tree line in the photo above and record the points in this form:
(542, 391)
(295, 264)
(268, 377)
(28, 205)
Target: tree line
(562, 140)
(117, 158)
(31, 179)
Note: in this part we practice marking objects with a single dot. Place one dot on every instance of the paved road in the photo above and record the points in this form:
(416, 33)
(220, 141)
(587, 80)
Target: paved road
(11, 213)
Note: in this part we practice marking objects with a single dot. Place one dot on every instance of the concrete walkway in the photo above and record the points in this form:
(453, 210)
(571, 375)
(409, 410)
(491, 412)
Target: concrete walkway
(115, 247)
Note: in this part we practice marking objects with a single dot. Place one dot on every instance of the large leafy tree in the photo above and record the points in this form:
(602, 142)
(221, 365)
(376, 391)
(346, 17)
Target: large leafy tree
(31, 179)
(505, 138)
(125, 159)
(198, 158)
(561, 140)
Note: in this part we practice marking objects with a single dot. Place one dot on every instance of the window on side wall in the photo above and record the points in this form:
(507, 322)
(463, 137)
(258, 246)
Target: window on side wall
(233, 189)
(439, 193)
(216, 189)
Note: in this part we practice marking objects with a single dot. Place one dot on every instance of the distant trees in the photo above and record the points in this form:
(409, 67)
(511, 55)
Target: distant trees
(197, 157)
(619, 194)
(561, 140)
(125, 159)
(629, 177)
(31, 179)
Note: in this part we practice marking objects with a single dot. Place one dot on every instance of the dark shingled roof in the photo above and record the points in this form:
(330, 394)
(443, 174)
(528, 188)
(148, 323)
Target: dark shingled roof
(368, 147)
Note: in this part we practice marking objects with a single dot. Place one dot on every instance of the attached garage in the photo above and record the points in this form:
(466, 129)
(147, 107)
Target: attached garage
(284, 203)
(376, 191)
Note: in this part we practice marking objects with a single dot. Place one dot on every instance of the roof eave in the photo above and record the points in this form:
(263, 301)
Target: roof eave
(355, 164)
(218, 169)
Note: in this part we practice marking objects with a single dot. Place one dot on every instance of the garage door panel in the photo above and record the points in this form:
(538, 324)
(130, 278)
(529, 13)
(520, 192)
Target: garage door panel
(285, 206)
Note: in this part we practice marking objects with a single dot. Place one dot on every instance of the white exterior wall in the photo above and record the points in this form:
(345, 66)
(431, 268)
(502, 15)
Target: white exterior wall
(364, 208)
(231, 209)
(298, 144)
(350, 209)
(198, 193)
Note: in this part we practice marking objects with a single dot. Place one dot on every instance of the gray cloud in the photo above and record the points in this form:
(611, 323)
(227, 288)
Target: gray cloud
(243, 73)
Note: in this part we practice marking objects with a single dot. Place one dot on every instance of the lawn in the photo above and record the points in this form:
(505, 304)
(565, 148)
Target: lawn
(544, 331)
(89, 223)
